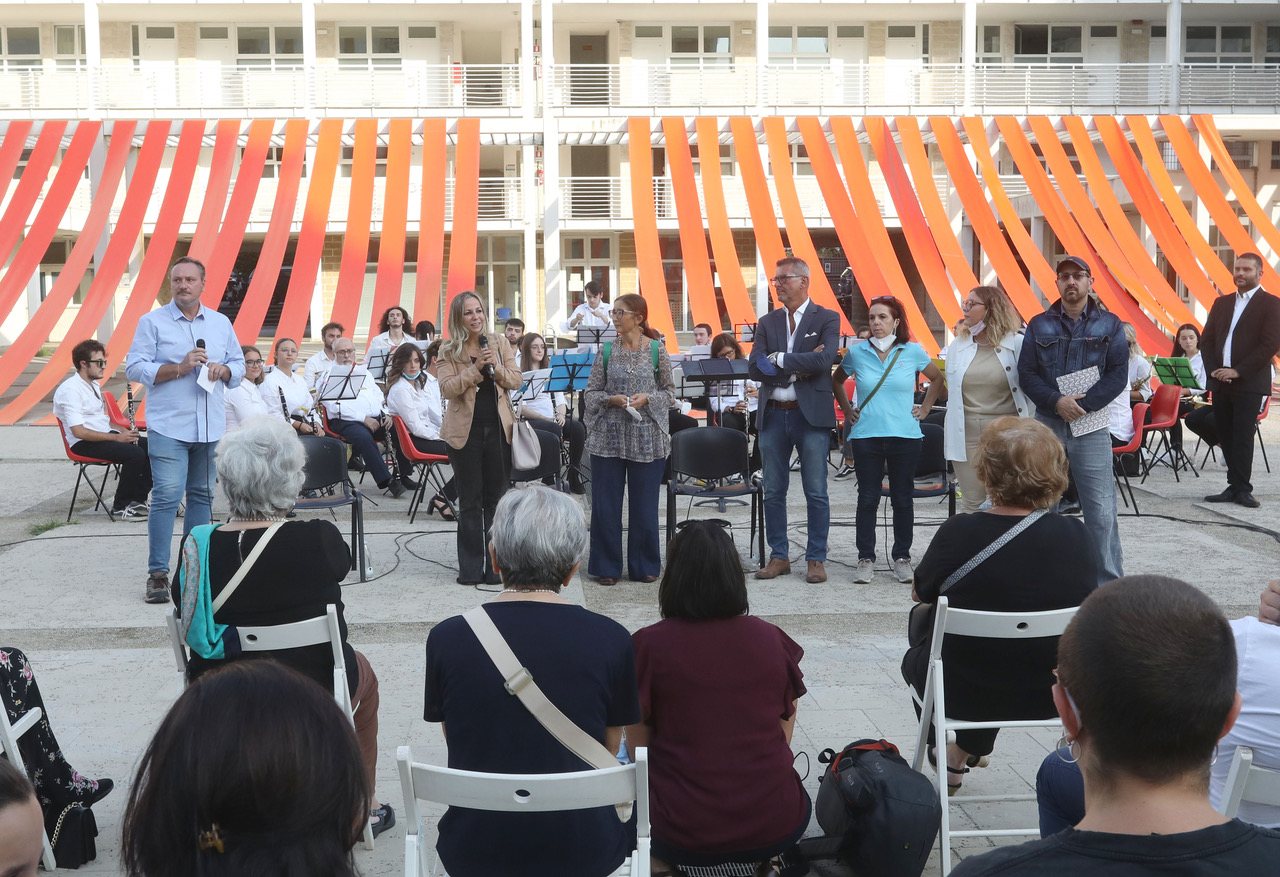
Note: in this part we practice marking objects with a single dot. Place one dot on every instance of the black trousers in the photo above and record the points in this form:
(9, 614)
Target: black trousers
(441, 448)
(1235, 413)
(482, 468)
(1201, 422)
(744, 423)
(576, 434)
(365, 443)
(135, 468)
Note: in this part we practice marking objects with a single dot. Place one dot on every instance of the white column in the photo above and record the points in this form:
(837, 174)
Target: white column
(762, 284)
(528, 73)
(1173, 51)
(762, 52)
(554, 290)
(533, 318)
(309, 50)
(92, 52)
(969, 50)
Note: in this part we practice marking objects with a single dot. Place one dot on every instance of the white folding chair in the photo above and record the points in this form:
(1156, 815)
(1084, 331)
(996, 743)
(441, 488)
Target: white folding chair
(984, 625)
(281, 637)
(9, 735)
(521, 793)
(1248, 783)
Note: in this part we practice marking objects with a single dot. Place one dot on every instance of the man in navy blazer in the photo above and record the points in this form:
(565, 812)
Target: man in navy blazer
(792, 353)
(1240, 337)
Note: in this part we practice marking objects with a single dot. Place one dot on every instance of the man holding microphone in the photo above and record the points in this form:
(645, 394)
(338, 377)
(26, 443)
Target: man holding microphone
(186, 355)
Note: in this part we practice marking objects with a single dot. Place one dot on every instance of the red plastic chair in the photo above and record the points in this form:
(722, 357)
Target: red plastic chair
(1133, 447)
(117, 416)
(84, 463)
(1164, 416)
(426, 468)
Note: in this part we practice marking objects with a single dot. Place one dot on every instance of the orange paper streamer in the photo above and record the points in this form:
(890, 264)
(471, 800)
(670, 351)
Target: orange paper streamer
(395, 217)
(693, 239)
(426, 299)
(733, 288)
(226, 246)
(355, 243)
(653, 282)
(764, 221)
(466, 206)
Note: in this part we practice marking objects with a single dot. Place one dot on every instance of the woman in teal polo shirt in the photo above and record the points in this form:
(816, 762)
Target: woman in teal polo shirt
(886, 429)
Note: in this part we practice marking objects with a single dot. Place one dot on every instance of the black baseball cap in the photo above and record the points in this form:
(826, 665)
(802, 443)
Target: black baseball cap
(1075, 260)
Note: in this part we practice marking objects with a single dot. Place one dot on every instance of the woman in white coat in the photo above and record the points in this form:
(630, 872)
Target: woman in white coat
(982, 382)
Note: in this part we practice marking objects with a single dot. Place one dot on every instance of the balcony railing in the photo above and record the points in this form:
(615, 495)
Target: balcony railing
(1237, 85)
(37, 91)
(652, 84)
(1069, 87)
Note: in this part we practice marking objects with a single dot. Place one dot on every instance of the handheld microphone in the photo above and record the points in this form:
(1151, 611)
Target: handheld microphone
(487, 371)
(200, 344)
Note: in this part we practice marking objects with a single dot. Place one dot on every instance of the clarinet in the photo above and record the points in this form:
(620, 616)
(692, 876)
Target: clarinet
(284, 409)
(128, 388)
(387, 446)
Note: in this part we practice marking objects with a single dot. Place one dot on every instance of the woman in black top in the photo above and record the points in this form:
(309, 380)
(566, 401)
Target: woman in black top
(297, 575)
(1050, 565)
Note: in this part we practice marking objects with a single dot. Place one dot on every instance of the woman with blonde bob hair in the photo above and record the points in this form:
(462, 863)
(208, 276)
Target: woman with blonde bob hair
(982, 382)
(1047, 564)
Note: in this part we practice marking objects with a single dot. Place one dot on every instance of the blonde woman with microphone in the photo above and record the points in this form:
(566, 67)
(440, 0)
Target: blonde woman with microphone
(475, 367)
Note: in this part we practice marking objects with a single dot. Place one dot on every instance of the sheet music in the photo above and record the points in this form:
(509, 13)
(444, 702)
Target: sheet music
(1075, 384)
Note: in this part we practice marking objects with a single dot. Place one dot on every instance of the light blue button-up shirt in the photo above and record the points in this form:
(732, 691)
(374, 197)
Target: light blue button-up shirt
(179, 408)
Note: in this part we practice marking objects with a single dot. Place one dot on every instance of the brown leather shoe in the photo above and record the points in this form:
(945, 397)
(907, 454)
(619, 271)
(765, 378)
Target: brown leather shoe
(774, 568)
(817, 572)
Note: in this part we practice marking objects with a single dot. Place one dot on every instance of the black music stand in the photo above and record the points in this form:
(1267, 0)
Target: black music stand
(377, 362)
(592, 338)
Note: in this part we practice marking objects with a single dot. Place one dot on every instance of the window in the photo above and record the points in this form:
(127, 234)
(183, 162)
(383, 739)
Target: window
(214, 33)
(421, 32)
(68, 46)
(785, 40)
(726, 160)
(648, 31)
(851, 32)
(924, 43)
(1243, 154)
(19, 48)
(1273, 45)
(1159, 31)
(700, 45)
(1219, 241)
(367, 48)
(1048, 44)
(1170, 156)
(989, 44)
(348, 159)
(1218, 44)
(268, 47)
(800, 165)
(52, 265)
(1275, 155)
(275, 158)
(1103, 31)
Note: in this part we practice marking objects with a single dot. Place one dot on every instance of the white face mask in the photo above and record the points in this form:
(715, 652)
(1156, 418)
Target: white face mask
(885, 344)
(977, 329)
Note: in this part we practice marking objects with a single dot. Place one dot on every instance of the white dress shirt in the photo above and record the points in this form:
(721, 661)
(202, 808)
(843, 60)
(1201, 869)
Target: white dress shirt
(297, 397)
(590, 320)
(78, 402)
(788, 393)
(315, 367)
(418, 406)
(369, 402)
(1242, 300)
(243, 402)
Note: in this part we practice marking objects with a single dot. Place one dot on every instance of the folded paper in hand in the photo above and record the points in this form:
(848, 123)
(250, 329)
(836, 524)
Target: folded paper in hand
(1078, 383)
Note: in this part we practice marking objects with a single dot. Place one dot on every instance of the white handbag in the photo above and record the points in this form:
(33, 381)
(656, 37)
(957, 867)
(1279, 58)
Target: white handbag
(526, 448)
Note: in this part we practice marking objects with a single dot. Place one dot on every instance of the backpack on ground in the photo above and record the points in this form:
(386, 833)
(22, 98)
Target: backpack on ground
(879, 816)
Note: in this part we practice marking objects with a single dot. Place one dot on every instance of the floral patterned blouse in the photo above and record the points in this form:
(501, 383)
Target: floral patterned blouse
(611, 431)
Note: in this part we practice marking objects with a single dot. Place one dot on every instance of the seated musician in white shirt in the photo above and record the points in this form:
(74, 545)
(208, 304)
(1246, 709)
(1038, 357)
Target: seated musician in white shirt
(413, 395)
(286, 393)
(79, 406)
(362, 422)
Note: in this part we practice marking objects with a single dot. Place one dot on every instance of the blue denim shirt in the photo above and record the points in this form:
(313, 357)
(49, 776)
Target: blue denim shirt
(1056, 345)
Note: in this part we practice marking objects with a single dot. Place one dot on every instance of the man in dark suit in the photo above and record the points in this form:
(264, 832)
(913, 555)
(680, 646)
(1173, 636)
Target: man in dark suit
(791, 355)
(1240, 337)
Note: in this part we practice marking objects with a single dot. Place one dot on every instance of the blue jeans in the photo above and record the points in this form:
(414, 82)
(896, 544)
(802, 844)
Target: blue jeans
(177, 467)
(643, 483)
(871, 457)
(779, 431)
(1059, 793)
(1090, 458)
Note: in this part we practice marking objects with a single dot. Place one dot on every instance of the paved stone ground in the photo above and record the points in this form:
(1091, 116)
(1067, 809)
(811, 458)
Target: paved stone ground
(72, 601)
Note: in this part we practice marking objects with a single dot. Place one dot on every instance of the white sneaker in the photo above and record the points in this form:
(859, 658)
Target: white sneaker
(902, 570)
(843, 472)
(134, 511)
(865, 571)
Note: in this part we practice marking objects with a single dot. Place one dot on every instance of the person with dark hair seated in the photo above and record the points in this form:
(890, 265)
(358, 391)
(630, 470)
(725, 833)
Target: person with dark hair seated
(703, 724)
(1146, 688)
(255, 770)
(21, 840)
(547, 411)
(413, 395)
(584, 664)
(425, 330)
(296, 575)
(1023, 468)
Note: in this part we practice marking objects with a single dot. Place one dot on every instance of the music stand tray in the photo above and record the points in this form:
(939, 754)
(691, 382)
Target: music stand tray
(1176, 370)
(377, 362)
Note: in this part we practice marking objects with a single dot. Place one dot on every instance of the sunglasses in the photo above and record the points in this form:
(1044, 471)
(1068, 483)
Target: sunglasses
(101, 362)
(883, 298)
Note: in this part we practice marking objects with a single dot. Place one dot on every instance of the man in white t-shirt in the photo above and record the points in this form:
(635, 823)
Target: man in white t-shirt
(79, 407)
(323, 360)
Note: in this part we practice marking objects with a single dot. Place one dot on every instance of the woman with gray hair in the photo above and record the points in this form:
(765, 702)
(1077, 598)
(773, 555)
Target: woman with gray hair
(582, 661)
(296, 575)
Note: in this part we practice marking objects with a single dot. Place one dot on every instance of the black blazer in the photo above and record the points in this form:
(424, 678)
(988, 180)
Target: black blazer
(1255, 342)
(818, 327)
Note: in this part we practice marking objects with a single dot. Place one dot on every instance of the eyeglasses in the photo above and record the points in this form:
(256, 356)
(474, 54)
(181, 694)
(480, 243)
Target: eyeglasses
(1066, 276)
(783, 278)
(619, 312)
(101, 362)
(249, 362)
(970, 305)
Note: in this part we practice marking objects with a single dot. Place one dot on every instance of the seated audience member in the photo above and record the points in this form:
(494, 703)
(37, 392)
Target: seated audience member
(57, 783)
(254, 770)
(1060, 785)
(21, 840)
(286, 394)
(547, 411)
(425, 330)
(413, 395)
(1024, 469)
(323, 359)
(246, 400)
(79, 405)
(514, 333)
(1146, 690)
(298, 573)
(361, 422)
(583, 663)
(735, 402)
(705, 811)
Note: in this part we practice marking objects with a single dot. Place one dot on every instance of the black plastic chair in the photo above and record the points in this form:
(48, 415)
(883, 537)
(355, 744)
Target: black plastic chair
(712, 454)
(325, 476)
(931, 478)
(548, 465)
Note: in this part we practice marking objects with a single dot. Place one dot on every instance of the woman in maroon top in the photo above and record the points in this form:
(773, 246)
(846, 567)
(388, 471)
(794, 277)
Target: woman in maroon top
(721, 792)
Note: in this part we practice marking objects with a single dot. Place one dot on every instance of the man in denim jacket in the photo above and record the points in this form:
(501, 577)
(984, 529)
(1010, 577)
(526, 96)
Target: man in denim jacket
(1073, 334)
